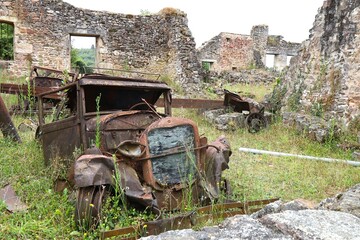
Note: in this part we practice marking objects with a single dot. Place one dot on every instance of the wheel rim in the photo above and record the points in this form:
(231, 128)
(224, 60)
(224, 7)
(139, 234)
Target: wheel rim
(88, 206)
(255, 122)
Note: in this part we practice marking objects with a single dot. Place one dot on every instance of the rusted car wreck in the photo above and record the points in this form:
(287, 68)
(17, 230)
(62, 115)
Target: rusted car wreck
(115, 121)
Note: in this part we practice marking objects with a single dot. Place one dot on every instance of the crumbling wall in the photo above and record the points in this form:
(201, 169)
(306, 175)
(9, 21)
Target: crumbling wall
(160, 43)
(260, 34)
(233, 52)
(229, 51)
(324, 79)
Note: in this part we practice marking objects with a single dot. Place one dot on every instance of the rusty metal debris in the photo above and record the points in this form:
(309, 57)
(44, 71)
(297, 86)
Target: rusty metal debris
(193, 103)
(188, 220)
(12, 202)
(6, 125)
(41, 80)
(157, 157)
(255, 119)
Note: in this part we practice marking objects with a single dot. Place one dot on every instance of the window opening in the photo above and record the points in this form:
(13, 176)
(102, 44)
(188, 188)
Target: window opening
(83, 53)
(6, 41)
(207, 65)
(270, 60)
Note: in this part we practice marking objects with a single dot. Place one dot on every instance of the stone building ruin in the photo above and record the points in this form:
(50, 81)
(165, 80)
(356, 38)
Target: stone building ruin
(232, 52)
(159, 43)
(324, 79)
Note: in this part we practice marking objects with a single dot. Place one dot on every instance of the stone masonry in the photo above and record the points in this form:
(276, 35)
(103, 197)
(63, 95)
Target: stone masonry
(233, 52)
(160, 43)
(324, 78)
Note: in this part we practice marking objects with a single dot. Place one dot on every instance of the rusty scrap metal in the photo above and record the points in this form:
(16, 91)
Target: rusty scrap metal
(41, 80)
(187, 220)
(6, 125)
(193, 103)
(154, 153)
(236, 102)
(11, 200)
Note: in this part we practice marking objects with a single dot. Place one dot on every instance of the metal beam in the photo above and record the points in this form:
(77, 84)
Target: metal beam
(193, 103)
(6, 125)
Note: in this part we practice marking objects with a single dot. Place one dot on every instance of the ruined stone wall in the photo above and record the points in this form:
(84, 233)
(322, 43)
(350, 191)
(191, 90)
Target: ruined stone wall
(232, 52)
(324, 79)
(260, 34)
(228, 50)
(235, 51)
(276, 45)
(160, 43)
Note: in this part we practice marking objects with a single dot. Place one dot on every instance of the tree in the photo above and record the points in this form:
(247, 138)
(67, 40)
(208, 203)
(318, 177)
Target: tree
(6, 41)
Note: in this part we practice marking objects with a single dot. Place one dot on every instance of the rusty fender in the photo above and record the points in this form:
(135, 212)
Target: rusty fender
(94, 170)
(217, 159)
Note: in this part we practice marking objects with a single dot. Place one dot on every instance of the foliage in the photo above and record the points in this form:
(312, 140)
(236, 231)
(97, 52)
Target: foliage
(50, 214)
(88, 55)
(206, 66)
(257, 92)
(263, 176)
(295, 97)
(354, 125)
(169, 11)
(6, 41)
(82, 59)
(145, 12)
(317, 109)
(175, 86)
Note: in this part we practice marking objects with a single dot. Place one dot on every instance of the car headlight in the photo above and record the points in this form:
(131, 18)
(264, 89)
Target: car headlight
(131, 149)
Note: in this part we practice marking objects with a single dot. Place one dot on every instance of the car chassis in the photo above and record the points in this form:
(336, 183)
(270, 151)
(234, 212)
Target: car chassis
(115, 122)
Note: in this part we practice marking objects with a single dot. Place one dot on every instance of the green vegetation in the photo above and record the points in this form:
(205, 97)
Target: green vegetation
(83, 59)
(50, 215)
(257, 92)
(145, 12)
(6, 41)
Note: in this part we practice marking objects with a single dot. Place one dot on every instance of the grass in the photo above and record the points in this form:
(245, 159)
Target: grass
(257, 92)
(50, 215)
(263, 176)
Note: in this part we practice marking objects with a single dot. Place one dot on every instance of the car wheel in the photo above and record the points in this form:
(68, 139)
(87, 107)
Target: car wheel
(88, 205)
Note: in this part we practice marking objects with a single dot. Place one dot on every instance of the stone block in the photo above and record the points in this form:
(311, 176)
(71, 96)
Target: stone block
(230, 121)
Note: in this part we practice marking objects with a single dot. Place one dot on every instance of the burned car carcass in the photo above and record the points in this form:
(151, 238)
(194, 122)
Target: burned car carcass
(114, 123)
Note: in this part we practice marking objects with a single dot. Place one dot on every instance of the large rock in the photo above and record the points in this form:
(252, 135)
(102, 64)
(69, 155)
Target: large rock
(292, 220)
(348, 201)
(314, 224)
(238, 227)
(316, 128)
(290, 224)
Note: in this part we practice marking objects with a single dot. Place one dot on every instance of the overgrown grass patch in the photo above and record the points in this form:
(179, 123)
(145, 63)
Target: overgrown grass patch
(257, 92)
(50, 215)
(263, 176)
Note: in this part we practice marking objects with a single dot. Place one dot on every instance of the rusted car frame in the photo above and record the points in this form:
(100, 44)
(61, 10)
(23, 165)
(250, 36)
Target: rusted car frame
(41, 79)
(157, 156)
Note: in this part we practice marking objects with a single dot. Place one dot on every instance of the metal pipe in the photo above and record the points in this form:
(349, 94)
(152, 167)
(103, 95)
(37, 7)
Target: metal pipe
(257, 151)
(6, 125)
